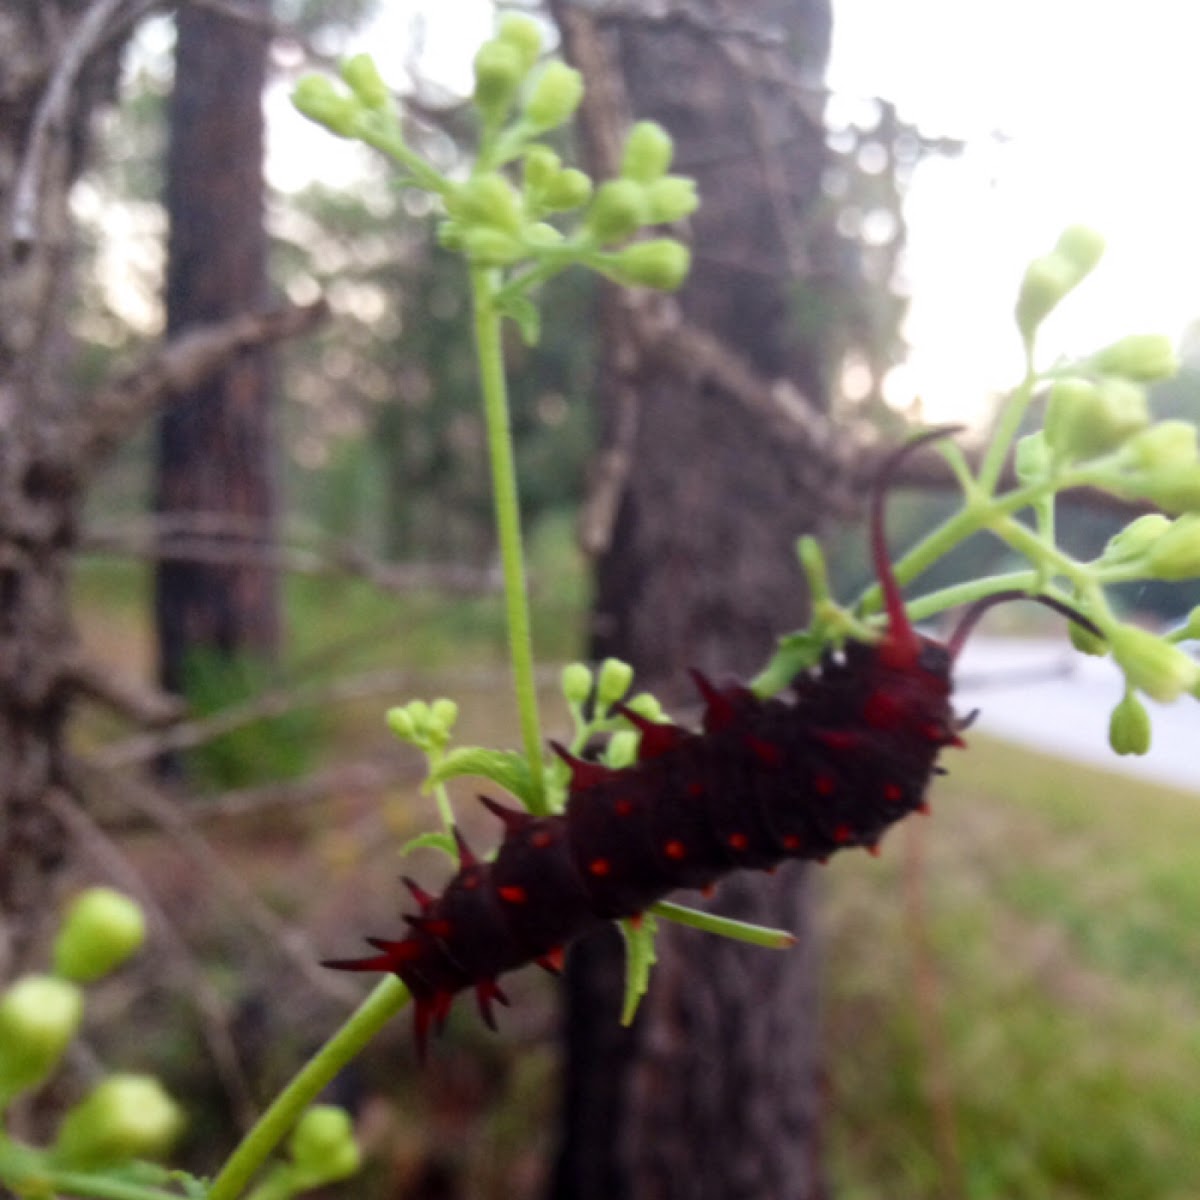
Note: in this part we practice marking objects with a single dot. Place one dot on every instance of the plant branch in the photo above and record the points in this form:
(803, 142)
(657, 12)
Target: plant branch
(508, 522)
(387, 999)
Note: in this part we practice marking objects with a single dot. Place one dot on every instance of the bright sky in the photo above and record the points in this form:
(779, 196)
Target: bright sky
(1073, 110)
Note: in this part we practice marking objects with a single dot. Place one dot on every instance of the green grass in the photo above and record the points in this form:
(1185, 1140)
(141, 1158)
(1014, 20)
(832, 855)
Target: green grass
(1063, 915)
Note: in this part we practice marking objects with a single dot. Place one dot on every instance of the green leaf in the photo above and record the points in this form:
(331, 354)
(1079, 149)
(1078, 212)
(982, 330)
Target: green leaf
(505, 767)
(528, 319)
(434, 839)
(639, 958)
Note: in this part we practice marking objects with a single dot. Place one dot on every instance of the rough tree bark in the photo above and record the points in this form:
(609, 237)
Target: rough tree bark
(55, 71)
(715, 1095)
(58, 69)
(215, 447)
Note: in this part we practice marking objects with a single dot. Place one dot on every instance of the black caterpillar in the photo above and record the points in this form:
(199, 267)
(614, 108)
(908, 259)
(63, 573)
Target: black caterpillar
(847, 756)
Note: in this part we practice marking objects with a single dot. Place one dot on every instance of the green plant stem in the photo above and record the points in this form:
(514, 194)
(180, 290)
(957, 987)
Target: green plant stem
(508, 522)
(387, 999)
(742, 931)
(1009, 422)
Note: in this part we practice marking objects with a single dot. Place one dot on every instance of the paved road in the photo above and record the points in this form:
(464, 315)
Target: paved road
(1045, 695)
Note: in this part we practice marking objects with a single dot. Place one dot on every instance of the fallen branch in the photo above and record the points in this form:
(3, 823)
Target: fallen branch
(178, 367)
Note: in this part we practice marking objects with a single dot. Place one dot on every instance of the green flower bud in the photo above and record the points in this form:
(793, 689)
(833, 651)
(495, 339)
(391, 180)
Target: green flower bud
(363, 78)
(1176, 554)
(1068, 408)
(125, 1117)
(400, 722)
(1192, 625)
(622, 749)
(1032, 458)
(443, 714)
(1085, 641)
(613, 681)
(660, 263)
(490, 200)
(1165, 443)
(1047, 280)
(671, 198)
(576, 683)
(1142, 356)
(322, 1145)
(1081, 247)
(38, 1018)
(523, 34)
(648, 706)
(619, 208)
(101, 930)
(1176, 489)
(1129, 726)
(1085, 419)
(491, 248)
(555, 96)
(449, 235)
(317, 98)
(1136, 538)
(647, 154)
(1151, 665)
(568, 189)
(499, 70)
(539, 235)
(542, 166)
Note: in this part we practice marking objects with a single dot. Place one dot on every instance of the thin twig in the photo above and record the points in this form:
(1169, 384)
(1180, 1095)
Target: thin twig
(177, 367)
(129, 697)
(224, 539)
(49, 122)
(288, 939)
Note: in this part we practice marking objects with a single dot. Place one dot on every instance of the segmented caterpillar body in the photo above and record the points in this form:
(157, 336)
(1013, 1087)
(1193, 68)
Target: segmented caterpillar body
(847, 754)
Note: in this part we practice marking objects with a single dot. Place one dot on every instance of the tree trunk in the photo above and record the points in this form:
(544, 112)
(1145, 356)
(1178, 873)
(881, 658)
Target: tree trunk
(215, 445)
(715, 1094)
(47, 100)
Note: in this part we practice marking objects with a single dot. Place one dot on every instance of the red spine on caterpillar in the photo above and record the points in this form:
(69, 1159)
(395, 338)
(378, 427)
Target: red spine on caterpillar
(846, 755)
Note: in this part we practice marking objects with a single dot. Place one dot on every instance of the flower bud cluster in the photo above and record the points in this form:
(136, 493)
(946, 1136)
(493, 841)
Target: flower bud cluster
(363, 111)
(426, 726)
(1050, 278)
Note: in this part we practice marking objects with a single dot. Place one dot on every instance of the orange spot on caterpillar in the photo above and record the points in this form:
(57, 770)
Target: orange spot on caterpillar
(599, 867)
(512, 894)
(676, 850)
(792, 842)
(541, 839)
(708, 890)
(623, 807)
(739, 841)
(767, 753)
(824, 783)
(841, 741)
(695, 789)
(843, 834)
(893, 792)
(881, 711)
(553, 960)
(873, 849)
(438, 927)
